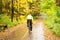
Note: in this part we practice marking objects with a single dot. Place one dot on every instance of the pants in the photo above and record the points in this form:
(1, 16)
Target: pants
(29, 24)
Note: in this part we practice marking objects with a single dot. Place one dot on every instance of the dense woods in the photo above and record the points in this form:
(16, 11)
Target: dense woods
(13, 12)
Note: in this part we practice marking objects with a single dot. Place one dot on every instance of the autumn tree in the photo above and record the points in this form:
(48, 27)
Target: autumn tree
(0, 6)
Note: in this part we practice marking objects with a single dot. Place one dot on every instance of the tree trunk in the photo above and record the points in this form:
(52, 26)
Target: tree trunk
(12, 15)
(0, 6)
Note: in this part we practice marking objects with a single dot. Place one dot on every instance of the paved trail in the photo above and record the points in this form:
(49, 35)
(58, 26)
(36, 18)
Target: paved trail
(37, 32)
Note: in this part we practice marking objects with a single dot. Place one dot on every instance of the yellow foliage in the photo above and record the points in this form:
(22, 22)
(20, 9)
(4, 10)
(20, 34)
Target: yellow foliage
(21, 7)
(30, 1)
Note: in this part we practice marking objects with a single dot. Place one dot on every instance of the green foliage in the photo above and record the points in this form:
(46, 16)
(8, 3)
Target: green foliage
(53, 19)
(58, 11)
(35, 15)
(47, 6)
(4, 19)
(56, 28)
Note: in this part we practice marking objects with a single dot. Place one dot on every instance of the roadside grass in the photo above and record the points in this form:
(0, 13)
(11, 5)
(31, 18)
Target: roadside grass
(4, 19)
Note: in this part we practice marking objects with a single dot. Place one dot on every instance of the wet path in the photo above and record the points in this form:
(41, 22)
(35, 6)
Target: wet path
(37, 32)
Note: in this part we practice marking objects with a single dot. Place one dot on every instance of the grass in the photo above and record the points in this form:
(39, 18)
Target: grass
(4, 19)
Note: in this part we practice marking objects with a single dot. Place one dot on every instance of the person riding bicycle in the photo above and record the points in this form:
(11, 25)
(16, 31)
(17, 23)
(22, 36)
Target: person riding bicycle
(29, 21)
